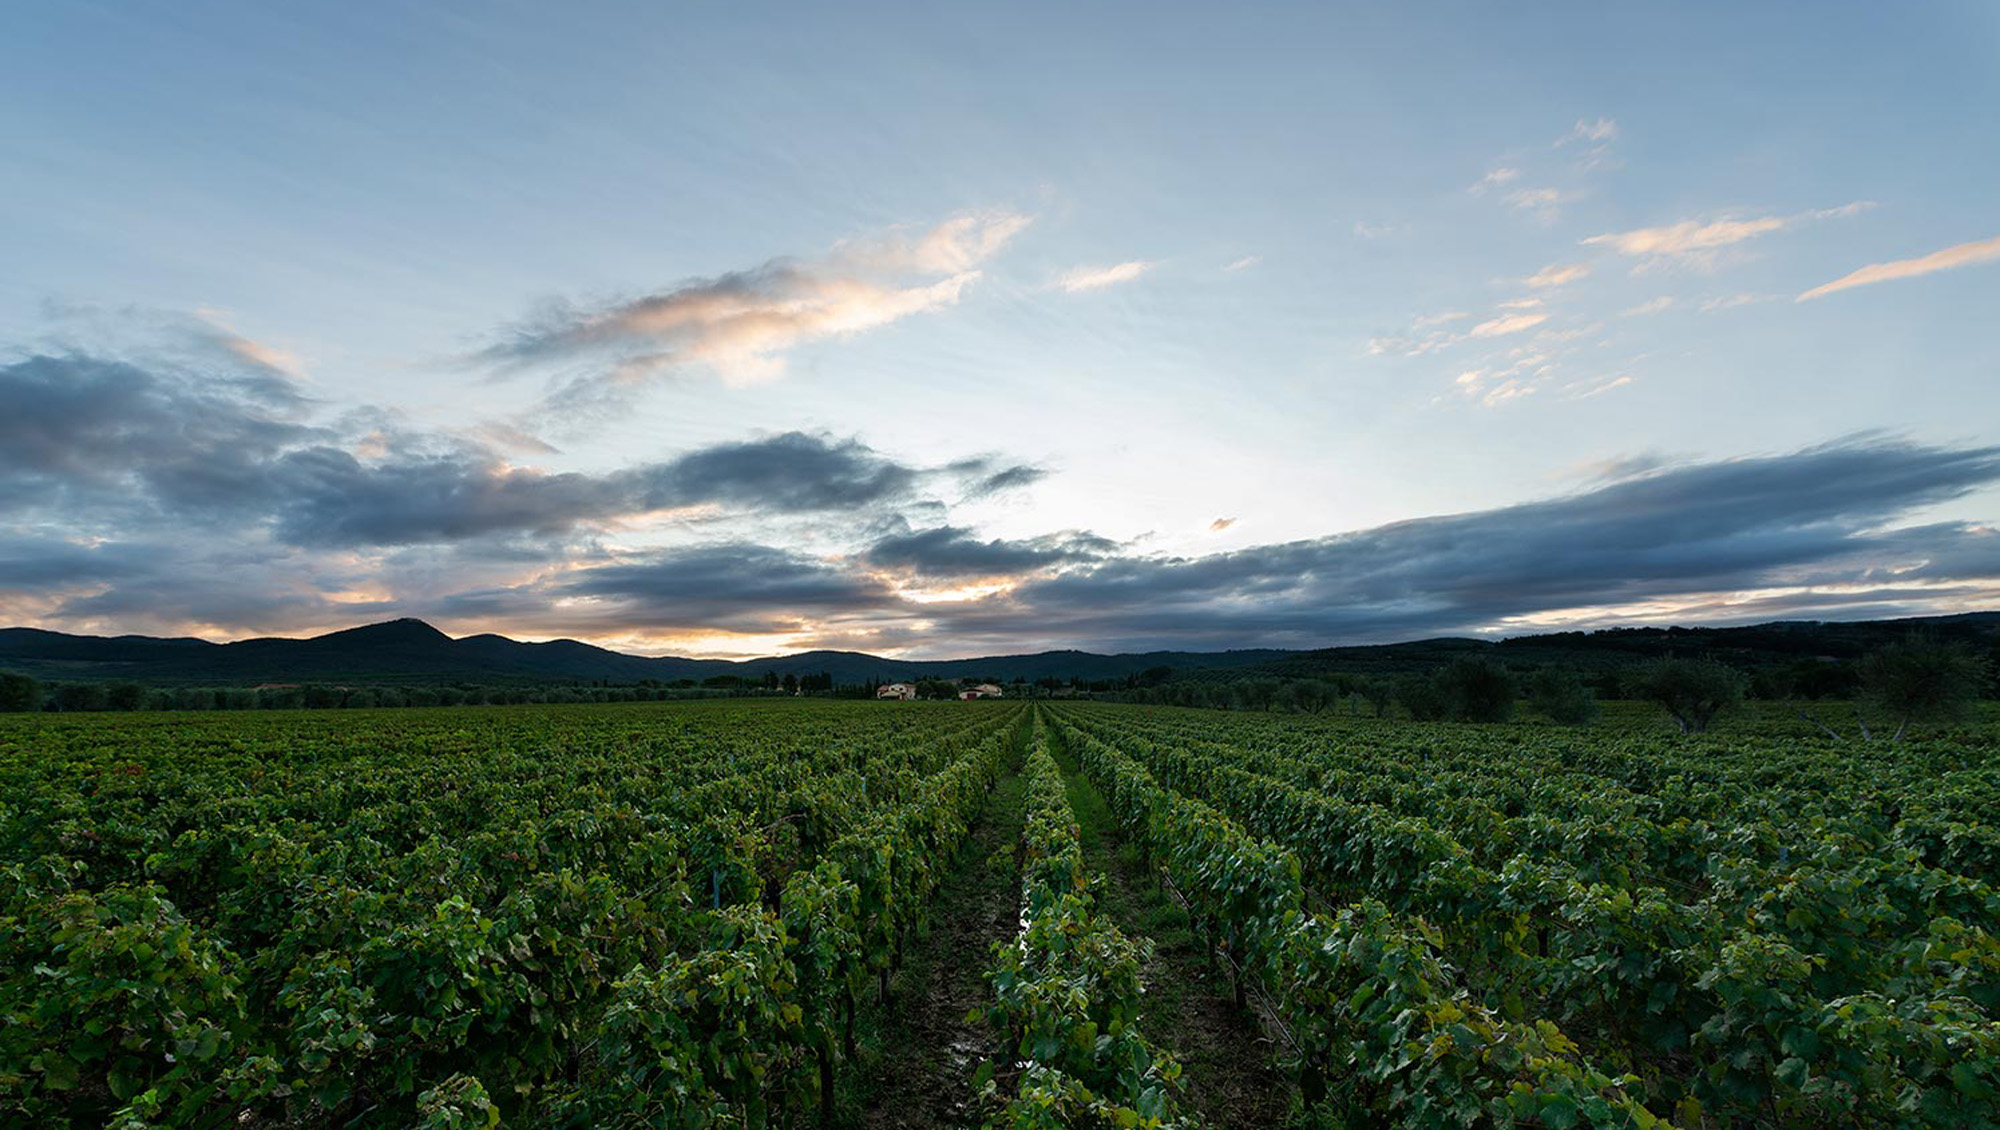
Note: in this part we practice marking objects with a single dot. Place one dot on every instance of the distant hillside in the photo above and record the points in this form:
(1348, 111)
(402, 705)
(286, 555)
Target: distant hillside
(411, 652)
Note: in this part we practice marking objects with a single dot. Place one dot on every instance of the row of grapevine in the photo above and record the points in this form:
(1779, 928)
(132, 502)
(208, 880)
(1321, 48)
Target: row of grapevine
(1067, 992)
(1847, 986)
(214, 924)
(1378, 1026)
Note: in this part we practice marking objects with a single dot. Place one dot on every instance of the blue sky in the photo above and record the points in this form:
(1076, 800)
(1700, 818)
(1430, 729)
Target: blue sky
(1117, 326)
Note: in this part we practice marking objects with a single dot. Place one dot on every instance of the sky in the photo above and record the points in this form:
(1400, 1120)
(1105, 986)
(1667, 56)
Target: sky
(935, 330)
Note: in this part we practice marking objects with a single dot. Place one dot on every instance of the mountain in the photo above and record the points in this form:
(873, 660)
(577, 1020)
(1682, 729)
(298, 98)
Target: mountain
(412, 652)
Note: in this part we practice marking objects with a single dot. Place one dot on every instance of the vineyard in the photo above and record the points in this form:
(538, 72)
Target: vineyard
(803, 913)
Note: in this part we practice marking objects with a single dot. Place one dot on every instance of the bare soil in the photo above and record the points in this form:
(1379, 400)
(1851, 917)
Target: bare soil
(920, 1076)
(1232, 1079)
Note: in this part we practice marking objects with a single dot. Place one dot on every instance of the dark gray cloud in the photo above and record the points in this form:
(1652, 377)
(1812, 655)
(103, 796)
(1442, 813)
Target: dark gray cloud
(735, 587)
(790, 473)
(144, 497)
(100, 440)
(76, 424)
(1809, 533)
(950, 551)
(1814, 517)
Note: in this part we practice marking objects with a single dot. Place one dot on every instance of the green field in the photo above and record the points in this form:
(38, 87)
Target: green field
(912, 914)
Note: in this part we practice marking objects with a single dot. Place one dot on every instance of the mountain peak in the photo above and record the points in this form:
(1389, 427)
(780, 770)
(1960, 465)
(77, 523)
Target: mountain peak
(400, 632)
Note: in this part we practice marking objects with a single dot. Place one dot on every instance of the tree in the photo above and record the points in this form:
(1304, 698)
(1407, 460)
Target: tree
(19, 692)
(125, 696)
(80, 697)
(1477, 690)
(1693, 691)
(1922, 679)
(1379, 694)
(1423, 698)
(1562, 696)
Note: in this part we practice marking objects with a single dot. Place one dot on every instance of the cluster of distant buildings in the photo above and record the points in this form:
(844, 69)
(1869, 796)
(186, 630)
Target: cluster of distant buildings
(905, 692)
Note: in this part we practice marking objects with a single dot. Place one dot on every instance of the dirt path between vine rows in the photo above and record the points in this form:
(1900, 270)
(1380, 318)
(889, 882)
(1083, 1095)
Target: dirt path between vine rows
(1232, 1081)
(926, 1050)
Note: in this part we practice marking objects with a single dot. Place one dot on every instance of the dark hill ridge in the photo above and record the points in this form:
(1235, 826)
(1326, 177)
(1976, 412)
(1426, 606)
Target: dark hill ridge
(410, 651)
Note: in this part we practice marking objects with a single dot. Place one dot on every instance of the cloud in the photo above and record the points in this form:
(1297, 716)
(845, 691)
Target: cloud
(1595, 131)
(1557, 274)
(1243, 264)
(1365, 230)
(1808, 532)
(1221, 524)
(1698, 241)
(1428, 320)
(984, 477)
(950, 551)
(1651, 306)
(1599, 388)
(735, 587)
(1960, 255)
(742, 324)
(1081, 279)
(1732, 301)
(1545, 202)
(1497, 177)
(1792, 526)
(106, 443)
(1508, 324)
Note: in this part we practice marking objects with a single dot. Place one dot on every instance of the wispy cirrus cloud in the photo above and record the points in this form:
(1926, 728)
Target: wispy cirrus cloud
(1698, 242)
(1243, 264)
(1507, 324)
(1557, 274)
(1651, 306)
(742, 324)
(1080, 279)
(1545, 203)
(1594, 131)
(1950, 258)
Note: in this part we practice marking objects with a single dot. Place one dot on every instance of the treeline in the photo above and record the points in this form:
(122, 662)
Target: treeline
(22, 693)
(1915, 681)
(1469, 690)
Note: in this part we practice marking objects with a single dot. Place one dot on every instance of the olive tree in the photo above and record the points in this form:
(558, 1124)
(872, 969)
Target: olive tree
(1693, 691)
(1922, 679)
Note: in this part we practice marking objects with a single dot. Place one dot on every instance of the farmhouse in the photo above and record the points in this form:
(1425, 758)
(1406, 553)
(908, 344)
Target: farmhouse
(983, 690)
(902, 692)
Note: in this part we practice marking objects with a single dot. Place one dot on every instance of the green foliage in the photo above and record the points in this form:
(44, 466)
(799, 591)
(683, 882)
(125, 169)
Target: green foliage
(1067, 992)
(389, 921)
(1562, 696)
(19, 692)
(1424, 697)
(1478, 690)
(1740, 933)
(630, 916)
(1692, 691)
(1923, 679)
